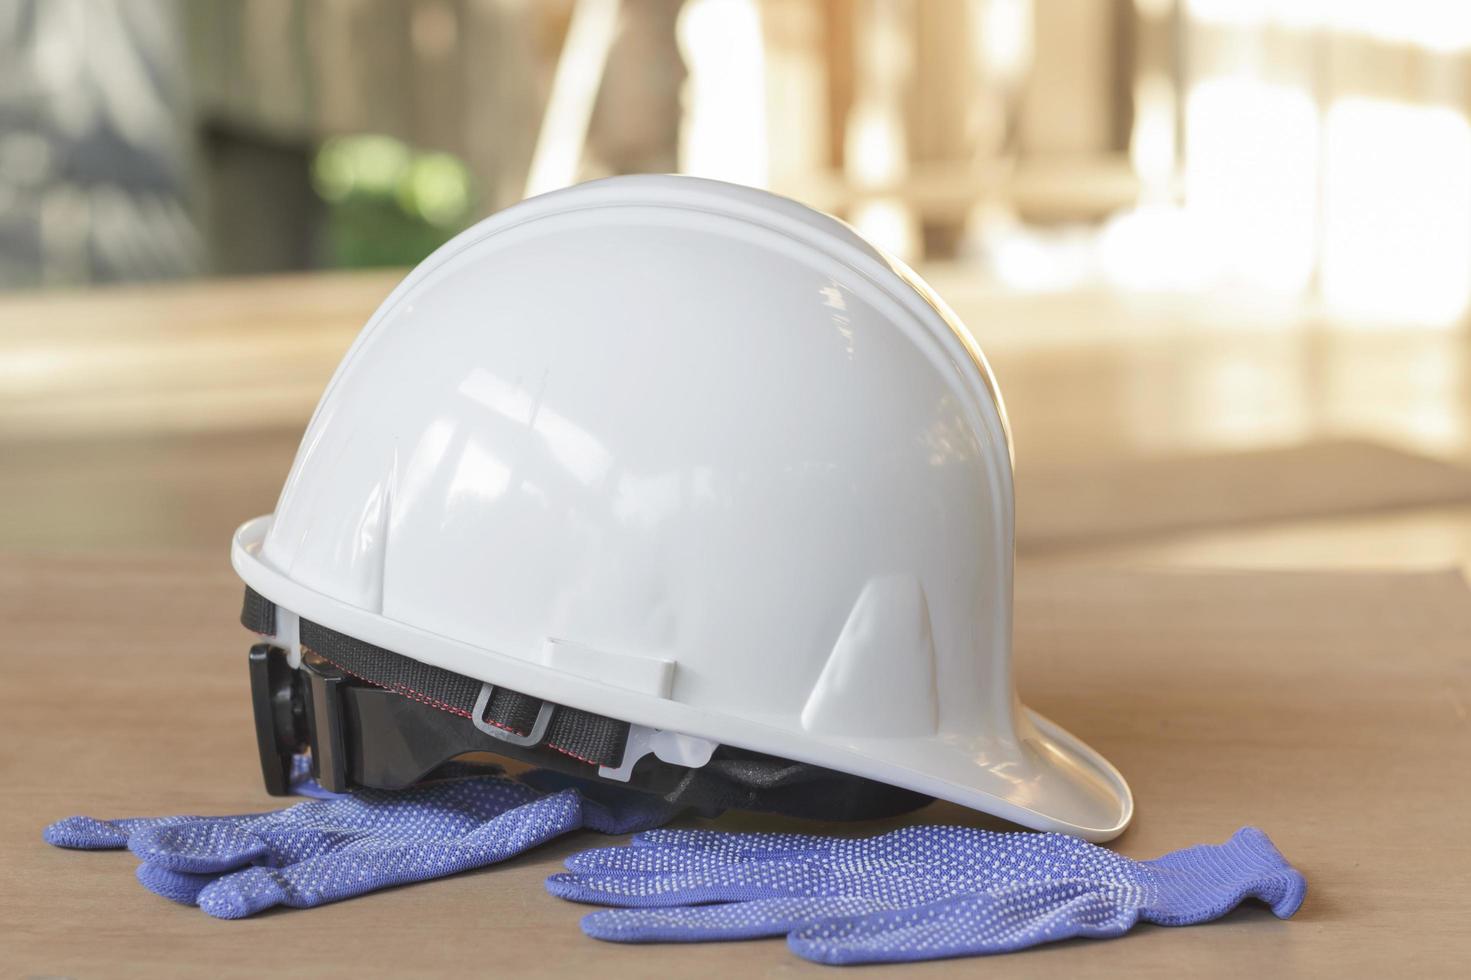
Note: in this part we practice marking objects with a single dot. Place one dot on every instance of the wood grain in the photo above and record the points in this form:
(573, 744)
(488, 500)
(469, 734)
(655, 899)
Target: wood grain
(139, 426)
(1332, 710)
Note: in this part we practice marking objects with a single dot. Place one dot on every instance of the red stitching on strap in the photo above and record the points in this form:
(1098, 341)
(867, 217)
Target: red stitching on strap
(571, 755)
(423, 698)
(398, 688)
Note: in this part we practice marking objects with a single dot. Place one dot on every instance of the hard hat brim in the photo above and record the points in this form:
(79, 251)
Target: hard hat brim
(1039, 776)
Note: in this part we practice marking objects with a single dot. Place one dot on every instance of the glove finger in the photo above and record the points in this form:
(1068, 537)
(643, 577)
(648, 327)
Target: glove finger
(652, 877)
(745, 881)
(969, 925)
(632, 890)
(645, 860)
(920, 843)
(198, 846)
(717, 923)
(89, 833)
(215, 849)
(317, 827)
(1011, 854)
(176, 886)
(937, 851)
(1197, 884)
(735, 846)
(380, 861)
(244, 893)
(599, 861)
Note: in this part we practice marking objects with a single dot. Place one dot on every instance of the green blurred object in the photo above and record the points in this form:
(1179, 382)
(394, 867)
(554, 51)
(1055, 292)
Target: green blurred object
(386, 203)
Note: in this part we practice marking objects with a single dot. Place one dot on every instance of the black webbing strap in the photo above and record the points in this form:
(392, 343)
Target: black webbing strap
(257, 613)
(734, 778)
(583, 735)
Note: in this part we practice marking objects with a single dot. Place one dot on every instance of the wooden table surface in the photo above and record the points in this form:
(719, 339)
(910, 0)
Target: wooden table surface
(1323, 694)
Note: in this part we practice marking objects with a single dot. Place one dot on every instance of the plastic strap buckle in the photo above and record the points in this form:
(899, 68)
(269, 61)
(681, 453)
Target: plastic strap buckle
(280, 729)
(327, 735)
(538, 728)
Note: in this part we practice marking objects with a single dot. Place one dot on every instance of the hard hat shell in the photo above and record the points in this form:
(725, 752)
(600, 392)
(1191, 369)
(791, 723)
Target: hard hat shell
(696, 457)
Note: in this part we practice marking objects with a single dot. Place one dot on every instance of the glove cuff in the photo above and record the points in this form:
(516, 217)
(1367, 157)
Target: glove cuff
(1200, 883)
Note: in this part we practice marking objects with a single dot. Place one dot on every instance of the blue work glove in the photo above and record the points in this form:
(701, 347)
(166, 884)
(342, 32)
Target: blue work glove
(920, 893)
(91, 834)
(329, 849)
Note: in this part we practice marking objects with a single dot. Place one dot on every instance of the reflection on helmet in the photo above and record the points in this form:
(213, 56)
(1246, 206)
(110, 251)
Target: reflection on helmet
(695, 459)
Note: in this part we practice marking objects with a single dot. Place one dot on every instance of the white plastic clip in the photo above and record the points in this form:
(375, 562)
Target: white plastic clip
(672, 747)
(288, 635)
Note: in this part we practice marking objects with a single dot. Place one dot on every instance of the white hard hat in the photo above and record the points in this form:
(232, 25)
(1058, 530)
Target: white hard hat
(697, 458)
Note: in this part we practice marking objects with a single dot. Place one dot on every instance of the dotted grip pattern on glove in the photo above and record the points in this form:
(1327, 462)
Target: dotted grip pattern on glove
(919, 893)
(338, 847)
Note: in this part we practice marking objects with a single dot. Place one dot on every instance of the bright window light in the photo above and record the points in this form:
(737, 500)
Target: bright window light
(724, 131)
(1251, 179)
(1397, 235)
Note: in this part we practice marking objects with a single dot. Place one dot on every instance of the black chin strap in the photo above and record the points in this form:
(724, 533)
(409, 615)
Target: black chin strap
(587, 737)
(376, 718)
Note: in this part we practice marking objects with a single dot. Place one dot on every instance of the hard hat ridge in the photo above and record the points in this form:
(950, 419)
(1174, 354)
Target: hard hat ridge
(881, 671)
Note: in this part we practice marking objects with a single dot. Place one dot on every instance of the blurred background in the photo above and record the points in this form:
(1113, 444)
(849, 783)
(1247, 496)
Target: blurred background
(1294, 148)
(1219, 251)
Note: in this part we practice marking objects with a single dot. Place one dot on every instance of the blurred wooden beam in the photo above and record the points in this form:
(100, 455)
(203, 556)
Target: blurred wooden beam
(1052, 188)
